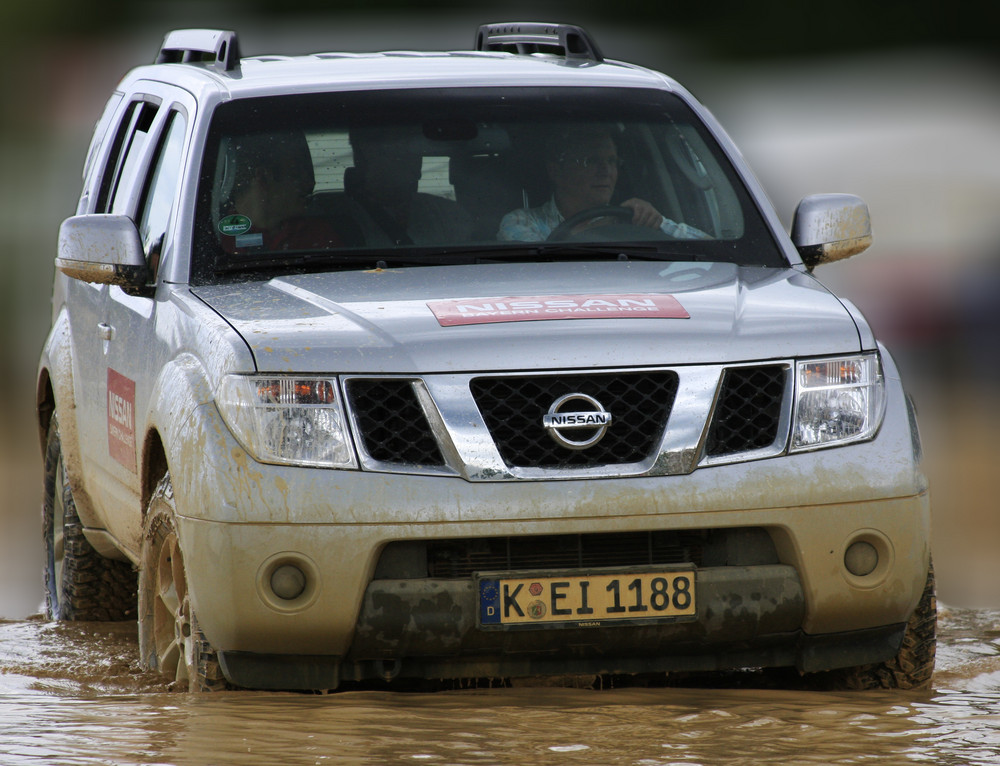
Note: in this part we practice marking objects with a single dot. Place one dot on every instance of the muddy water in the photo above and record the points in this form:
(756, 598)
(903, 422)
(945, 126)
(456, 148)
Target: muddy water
(72, 694)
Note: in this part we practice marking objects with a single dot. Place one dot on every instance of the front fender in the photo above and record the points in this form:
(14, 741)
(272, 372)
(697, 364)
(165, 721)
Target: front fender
(204, 347)
(182, 389)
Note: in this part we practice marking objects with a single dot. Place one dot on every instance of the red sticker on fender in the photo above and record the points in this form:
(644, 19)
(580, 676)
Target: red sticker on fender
(121, 419)
(543, 307)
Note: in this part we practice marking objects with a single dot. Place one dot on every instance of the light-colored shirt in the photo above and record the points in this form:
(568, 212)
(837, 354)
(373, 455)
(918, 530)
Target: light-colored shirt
(537, 223)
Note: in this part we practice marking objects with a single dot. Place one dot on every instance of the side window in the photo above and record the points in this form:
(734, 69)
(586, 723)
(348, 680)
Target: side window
(102, 133)
(331, 153)
(435, 179)
(707, 196)
(161, 189)
(126, 154)
(113, 166)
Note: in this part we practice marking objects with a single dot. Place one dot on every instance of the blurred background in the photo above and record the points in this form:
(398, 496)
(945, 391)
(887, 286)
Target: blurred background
(896, 101)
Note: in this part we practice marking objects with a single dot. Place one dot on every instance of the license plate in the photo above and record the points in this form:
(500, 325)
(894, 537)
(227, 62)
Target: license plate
(546, 600)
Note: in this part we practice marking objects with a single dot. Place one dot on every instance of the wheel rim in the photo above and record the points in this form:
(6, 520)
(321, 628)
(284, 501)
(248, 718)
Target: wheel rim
(172, 634)
(57, 524)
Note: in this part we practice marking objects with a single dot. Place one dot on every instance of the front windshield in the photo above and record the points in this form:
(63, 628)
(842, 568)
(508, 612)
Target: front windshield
(412, 177)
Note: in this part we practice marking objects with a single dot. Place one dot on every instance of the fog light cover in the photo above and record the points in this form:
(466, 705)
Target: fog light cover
(837, 400)
(861, 558)
(288, 582)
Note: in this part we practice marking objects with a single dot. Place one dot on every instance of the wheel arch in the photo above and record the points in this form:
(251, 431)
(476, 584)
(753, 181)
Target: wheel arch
(154, 467)
(45, 405)
(174, 430)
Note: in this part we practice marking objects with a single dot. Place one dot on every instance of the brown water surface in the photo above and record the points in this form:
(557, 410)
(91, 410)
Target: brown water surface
(73, 695)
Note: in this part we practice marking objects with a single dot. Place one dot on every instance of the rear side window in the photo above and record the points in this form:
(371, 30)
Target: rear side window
(332, 156)
(162, 188)
(124, 159)
(101, 134)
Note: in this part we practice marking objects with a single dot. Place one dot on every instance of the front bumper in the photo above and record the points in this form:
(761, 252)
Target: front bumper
(748, 616)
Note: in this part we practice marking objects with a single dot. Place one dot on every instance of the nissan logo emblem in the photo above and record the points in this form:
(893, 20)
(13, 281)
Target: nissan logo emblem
(563, 418)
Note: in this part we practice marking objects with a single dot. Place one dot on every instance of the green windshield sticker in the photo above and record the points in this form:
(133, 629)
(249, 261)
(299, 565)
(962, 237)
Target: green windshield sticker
(234, 225)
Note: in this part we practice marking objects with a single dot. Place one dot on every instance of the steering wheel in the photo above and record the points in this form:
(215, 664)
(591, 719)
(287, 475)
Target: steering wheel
(624, 214)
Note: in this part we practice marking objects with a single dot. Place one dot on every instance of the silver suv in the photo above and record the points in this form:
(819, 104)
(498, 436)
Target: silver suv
(460, 365)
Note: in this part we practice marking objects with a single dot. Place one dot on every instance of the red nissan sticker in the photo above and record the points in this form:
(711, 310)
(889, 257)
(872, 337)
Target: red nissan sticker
(543, 307)
(121, 419)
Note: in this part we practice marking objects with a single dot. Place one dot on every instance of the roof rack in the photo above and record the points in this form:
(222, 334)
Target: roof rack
(217, 48)
(534, 37)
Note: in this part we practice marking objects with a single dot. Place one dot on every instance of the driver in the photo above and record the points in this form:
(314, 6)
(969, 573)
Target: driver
(583, 169)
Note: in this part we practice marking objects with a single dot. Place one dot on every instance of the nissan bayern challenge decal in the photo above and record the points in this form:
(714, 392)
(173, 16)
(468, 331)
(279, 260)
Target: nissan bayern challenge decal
(542, 307)
(121, 419)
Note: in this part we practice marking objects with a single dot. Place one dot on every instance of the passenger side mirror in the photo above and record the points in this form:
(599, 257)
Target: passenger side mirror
(831, 227)
(103, 249)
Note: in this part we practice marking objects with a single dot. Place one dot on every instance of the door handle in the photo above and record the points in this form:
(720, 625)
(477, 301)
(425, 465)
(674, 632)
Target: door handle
(105, 331)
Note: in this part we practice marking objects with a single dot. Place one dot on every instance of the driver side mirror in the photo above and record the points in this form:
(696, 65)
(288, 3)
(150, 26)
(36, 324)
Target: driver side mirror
(104, 249)
(831, 227)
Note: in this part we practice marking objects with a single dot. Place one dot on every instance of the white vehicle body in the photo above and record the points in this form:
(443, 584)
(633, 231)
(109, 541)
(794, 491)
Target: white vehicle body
(305, 574)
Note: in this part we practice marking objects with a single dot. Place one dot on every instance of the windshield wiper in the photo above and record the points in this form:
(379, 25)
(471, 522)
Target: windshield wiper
(340, 259)
(442, 255)
(553, 251)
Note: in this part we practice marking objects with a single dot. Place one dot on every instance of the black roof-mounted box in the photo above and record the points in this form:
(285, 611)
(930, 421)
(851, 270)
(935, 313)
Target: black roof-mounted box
(217, 48)
(528, 37)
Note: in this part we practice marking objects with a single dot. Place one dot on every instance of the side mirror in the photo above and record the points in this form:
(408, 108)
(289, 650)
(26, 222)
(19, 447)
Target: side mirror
(830, 227)
(103, 249)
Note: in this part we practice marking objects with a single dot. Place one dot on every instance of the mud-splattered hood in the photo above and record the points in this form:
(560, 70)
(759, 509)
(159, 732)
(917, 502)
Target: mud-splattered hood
(534, 316)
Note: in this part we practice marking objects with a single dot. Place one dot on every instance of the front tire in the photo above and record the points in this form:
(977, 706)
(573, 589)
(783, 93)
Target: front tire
(80, 584)
(913, 665)
(170, 639)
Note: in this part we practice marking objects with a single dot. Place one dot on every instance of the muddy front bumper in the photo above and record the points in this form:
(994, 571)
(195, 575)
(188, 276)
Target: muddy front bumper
(775, 592)
(746, 617)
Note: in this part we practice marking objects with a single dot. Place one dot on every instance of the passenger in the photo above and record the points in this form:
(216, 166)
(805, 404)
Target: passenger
(383, 188)
(273, 180)
(583, 169)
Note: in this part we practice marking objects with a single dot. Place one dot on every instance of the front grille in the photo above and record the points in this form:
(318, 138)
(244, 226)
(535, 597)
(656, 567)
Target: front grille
(513, 408)
(455, 559)
(392, 425)
(748, 413)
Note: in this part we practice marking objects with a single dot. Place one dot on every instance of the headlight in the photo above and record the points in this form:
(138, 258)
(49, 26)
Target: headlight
(837, 400)
(285, 419)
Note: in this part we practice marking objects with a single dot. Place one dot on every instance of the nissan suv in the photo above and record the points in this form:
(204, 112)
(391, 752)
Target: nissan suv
(493, 363)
